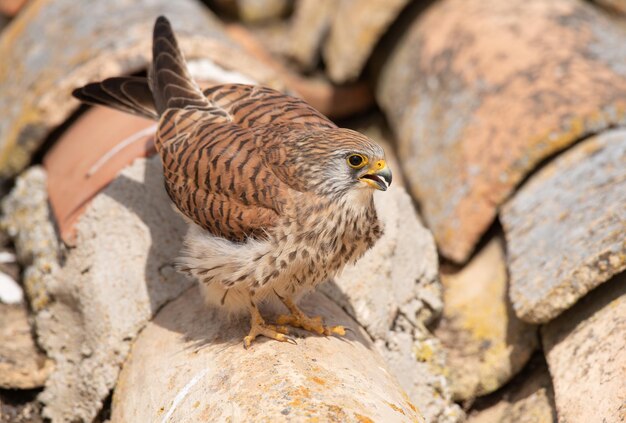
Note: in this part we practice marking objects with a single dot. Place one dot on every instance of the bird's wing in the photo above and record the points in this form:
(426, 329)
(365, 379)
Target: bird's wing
(220, 162)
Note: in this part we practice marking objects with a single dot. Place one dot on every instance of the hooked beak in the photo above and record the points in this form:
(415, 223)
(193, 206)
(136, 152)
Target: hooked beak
(378, 176)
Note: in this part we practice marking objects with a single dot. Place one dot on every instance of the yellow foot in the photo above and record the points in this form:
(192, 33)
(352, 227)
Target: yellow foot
(259, 327)
(270, 331)
(298, 319)
(312, 324)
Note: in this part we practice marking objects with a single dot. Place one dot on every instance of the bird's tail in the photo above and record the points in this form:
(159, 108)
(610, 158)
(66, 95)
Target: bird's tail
(171, 84)
(128, 94)
(168, 86)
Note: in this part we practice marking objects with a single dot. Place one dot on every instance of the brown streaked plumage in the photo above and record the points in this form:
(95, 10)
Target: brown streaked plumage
(279, 197)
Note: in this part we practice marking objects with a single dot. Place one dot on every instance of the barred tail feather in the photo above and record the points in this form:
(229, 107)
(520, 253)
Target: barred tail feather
(127, 94)
(170, 81)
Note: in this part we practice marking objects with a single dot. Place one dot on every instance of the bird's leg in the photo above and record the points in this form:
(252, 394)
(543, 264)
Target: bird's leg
(298, 319)
(259, 327)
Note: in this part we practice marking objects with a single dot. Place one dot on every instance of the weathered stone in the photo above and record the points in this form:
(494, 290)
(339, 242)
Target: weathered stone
(486, 343)
(566, 227)
(393, 291)
(309, 26)
(26, 218)
(22, 365)
(586, 352)
(356, 28)
(189, 365)
(255, 11)
(82, 43)
(119, 273)
(526, 400)
(481, 91)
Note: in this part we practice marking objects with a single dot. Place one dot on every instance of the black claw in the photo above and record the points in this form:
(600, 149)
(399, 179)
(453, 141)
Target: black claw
(348, 329)
(290, 340)
(281, 298)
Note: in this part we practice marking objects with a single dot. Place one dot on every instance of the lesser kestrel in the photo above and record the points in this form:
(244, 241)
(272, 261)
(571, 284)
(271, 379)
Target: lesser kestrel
(278, 197)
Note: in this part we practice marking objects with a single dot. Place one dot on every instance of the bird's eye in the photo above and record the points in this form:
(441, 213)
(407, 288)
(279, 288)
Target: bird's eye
(356, 161)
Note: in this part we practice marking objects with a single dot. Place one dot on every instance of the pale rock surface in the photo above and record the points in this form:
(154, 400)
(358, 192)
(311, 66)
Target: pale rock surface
(22, 364)
(586, 352)
(189, 365)
(528, 399)
(565, 228)
(119, 274)
(486, 343)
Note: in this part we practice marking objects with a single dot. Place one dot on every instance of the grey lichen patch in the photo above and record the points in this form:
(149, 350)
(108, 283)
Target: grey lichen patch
(27, 219)
(565, 228)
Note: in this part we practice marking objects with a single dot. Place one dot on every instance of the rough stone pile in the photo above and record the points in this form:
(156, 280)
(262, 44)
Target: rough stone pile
(504, 120)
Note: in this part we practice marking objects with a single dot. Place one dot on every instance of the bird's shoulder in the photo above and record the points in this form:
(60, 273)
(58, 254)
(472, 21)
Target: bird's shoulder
(253, 105)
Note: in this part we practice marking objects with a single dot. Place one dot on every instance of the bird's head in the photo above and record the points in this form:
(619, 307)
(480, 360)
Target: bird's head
(340, 161)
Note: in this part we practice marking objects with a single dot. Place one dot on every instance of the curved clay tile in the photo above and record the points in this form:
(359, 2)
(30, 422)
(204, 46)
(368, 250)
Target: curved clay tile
(565, 228)
(202, 376)
(54, 46)
(89, 155)
(480, 91)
